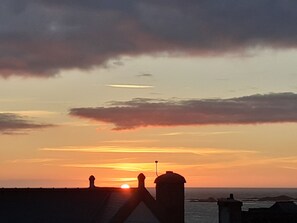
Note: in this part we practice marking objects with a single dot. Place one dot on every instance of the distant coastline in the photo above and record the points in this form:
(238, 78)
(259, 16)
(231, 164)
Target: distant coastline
(207, 212)
(243, 194)
(275, 198)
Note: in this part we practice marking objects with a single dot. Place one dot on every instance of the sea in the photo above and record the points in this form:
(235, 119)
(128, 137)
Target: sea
(207, 212)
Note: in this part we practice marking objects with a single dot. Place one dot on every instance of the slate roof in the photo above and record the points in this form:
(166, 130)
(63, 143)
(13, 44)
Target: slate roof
(62, 205)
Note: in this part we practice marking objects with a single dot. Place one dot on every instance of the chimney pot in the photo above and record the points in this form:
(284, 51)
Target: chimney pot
(92, 181)
(141, 179)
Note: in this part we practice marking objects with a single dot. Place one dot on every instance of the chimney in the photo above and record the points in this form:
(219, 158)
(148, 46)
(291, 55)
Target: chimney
(229, 210)
(170, 193)
(92, 182)
(141, 179)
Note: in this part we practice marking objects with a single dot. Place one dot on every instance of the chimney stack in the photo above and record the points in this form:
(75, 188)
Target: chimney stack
(92, 182)
(229, 210)
(141, 179)
(170, 193)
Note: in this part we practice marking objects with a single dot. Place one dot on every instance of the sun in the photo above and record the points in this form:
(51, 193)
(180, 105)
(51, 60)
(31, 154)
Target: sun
(125, 186)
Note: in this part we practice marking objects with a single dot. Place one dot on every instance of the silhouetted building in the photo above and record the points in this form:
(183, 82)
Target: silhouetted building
(92, 182)
(170, 194)
(281, 212)
(96, 204)
(229, 210)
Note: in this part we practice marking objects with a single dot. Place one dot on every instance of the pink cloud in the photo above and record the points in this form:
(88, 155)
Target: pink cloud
(254, 109)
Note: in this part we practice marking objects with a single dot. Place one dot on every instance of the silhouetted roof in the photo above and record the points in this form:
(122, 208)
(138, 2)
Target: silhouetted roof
(229, 201)
(82, 205)
(141, 196)
(284, 207)
(280, 212)
(85, 205)
(170, 177)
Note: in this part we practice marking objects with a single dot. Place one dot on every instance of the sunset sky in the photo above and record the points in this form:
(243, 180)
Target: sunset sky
(207, 88)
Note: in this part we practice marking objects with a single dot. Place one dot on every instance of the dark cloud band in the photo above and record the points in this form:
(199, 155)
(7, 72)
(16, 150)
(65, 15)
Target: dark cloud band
(12, 123)
(254, 109)
(42, 37)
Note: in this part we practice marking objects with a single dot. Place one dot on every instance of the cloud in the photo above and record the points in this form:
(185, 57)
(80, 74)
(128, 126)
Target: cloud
(118, 158)
(197, 133)
(131, 86)
(138, 149)
(145, 75)
(254, 109)
(35, 160)
(40, 38)
(12, 124)
(33, 113)
(134, 167)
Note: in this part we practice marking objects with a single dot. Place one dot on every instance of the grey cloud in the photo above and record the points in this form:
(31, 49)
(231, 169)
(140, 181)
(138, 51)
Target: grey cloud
(40, 38)
(254, 109)
(144, 75)
(12, 123)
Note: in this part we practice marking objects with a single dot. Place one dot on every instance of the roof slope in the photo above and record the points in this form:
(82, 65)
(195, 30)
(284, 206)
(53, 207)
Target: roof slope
(141, 195)
(284, 207)
(59, 205)
(280, 212)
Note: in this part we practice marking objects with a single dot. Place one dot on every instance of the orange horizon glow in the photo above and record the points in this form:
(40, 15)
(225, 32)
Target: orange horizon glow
(66, 154)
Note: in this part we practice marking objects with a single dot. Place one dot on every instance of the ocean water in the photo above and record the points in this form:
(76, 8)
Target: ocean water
(207, 212)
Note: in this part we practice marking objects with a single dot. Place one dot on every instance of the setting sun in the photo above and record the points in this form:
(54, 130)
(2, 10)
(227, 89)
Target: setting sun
(125, 186)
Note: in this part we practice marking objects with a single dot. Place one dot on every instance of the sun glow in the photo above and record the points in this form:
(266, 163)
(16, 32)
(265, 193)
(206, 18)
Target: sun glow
(125, 186)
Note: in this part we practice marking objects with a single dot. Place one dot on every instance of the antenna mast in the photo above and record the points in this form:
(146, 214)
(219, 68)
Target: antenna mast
(156, 162)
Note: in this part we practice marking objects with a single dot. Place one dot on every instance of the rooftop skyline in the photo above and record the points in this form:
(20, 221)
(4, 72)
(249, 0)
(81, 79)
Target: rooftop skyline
(209, 89)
